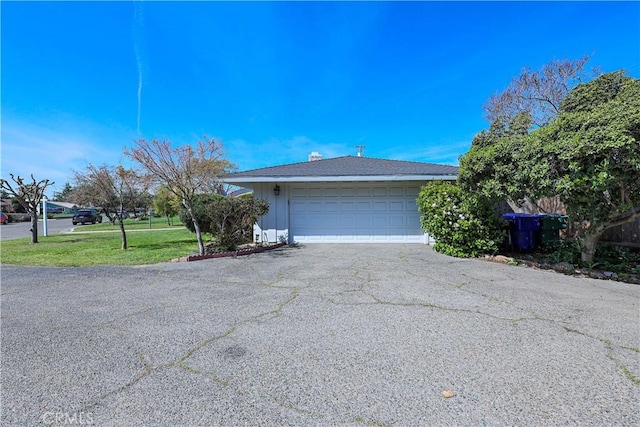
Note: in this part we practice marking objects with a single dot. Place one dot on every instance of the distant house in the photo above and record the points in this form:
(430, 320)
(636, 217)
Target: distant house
(240, 192)
(342, 200)
(61, 207)
(5, 205)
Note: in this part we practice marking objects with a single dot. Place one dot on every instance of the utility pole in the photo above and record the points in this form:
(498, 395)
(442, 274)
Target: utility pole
(360, 149)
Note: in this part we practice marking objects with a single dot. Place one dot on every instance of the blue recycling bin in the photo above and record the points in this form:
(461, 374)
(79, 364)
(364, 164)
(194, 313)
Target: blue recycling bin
(522, 230)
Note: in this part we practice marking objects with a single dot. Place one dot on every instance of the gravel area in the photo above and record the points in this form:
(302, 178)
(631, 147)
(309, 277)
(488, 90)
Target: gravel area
(318, 335)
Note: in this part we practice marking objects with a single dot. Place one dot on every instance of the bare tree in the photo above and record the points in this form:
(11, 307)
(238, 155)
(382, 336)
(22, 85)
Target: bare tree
(111, 188)
(538, 93)
(186, 171)
(29, 195)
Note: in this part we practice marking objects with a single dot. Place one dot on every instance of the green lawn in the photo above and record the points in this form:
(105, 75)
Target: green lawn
(131, 224)
(80, 249)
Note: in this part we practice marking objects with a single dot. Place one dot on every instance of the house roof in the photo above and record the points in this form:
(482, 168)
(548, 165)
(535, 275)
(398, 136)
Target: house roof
(66, 205)
(346, 168)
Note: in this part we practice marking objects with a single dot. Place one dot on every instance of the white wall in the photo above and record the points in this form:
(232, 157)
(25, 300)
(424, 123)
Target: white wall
(272, 227)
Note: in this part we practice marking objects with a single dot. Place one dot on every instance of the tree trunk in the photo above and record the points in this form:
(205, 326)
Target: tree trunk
(589, 246)
(34, 227)
(196, 226)
(123, 234)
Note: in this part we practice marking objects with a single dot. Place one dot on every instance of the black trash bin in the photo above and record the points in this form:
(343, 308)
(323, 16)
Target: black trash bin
(550, 226)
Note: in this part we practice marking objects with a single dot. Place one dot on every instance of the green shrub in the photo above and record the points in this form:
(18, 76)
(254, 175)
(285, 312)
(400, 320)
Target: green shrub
(19, 217)
(564, 250)
(229, 220)
(619, 259)
(608, 257)
(461, 224)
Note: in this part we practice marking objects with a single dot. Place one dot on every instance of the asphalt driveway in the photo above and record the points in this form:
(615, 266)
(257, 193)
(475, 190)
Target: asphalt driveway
(318, 335)
(17, 230)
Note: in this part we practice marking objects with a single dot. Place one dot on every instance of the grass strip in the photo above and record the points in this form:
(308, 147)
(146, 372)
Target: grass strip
(131, 224)
(77, 250)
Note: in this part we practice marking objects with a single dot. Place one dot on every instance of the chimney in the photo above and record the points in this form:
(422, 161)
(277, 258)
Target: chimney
(315, 156)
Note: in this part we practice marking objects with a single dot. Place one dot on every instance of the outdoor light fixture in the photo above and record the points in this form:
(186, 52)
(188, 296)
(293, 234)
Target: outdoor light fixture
(276, 190)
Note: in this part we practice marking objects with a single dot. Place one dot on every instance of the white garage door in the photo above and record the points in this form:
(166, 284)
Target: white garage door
(359, 212)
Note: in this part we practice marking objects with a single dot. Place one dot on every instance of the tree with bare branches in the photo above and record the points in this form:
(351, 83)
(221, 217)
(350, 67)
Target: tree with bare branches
(111, 188)
(29, 195)
(538, 93)
(186, 171)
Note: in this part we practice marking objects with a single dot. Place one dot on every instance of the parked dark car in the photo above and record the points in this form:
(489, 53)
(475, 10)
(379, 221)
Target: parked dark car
(86, 215)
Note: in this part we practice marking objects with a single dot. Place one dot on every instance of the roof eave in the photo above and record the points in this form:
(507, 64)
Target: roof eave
(337, 178)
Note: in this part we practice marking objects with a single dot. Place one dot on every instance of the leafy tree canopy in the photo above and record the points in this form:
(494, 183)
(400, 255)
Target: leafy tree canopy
(166, 203)
(64, 194)
(591, 155)
(588, 156)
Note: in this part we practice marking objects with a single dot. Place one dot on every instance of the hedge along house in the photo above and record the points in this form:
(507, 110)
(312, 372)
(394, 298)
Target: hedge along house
(346, 199)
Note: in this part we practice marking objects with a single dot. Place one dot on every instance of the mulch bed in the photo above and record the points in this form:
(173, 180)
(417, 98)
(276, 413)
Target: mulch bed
(239, 252)
(563, 268)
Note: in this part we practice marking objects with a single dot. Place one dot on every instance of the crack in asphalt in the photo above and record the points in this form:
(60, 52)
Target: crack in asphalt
(181, 361)
(362, 281)
(534, 317)
(292, 407)
(610, 346)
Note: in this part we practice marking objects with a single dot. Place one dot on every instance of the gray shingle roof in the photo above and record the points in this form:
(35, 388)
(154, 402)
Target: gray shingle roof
(348, 166)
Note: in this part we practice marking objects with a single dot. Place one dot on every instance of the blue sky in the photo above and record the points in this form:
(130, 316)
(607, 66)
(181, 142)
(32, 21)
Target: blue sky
(277, 80)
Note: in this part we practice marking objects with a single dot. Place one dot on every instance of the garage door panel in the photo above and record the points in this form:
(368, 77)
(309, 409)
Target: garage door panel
(363, 192)
(364, 207)
(331, 207)
(396, 221)
(413, 192)
(347, 222)
(298, 192)
(379, 206)
(298, 207)
(397, 206)
(413, 222)
(364, 222)
(347, 207)
(379, 221)
(396, 191)
(380, 192)
(315, 206)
